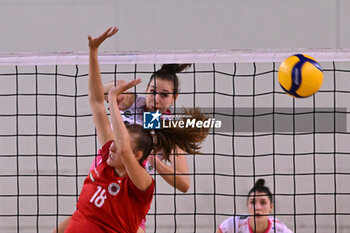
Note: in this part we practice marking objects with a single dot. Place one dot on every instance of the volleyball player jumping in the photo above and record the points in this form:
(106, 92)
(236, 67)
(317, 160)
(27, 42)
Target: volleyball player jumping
(117, 194)
(162, 92)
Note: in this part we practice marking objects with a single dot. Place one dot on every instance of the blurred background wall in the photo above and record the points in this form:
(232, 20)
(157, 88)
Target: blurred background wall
(62, 25)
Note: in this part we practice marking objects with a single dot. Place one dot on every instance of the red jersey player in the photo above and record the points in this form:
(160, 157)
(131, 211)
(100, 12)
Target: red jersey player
(117, 194)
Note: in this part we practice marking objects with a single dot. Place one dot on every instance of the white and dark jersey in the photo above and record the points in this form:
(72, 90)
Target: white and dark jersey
(149, 168)
(240, 224)
(134, 114)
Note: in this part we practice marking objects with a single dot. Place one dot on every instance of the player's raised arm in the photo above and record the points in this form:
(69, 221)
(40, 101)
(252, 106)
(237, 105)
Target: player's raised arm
(122, 138)
(96, 92)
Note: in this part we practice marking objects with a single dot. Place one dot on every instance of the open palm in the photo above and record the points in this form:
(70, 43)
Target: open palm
(116, 91)
(94, 43)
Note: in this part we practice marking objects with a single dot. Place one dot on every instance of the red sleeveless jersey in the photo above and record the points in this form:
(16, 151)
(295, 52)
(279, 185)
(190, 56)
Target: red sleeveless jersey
(108, 203)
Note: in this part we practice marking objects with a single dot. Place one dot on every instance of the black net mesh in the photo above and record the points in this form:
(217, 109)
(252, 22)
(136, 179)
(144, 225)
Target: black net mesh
(299, 146)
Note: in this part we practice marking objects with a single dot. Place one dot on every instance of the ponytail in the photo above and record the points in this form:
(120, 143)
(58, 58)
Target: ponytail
(168, 139)
(187, 139)
(173, 68)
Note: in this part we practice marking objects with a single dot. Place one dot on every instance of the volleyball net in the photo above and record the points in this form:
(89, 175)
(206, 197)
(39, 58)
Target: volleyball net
(299, 146)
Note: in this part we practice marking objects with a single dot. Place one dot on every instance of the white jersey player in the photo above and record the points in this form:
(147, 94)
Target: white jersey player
(260, 206)
(240, 224)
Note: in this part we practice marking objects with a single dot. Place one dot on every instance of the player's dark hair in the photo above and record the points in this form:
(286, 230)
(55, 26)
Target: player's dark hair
(168, 72)
(168, 139)
(261, 188)
(143, 140)
(187, 139)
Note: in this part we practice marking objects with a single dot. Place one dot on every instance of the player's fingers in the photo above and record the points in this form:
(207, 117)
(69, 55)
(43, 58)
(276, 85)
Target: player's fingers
(114, 31)
(131, 83)
(125, 86)
(136, 81)
(107, 31)
(111, 32)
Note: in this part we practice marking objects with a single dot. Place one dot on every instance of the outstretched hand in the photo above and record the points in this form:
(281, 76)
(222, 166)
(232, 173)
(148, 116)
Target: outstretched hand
(119, 89)
(94, 43)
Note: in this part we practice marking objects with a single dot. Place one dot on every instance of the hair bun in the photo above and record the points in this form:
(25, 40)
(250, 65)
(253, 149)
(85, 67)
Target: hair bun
(174, 68)
(260, 183)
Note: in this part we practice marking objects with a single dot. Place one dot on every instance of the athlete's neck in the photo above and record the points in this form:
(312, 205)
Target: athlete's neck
(258, 226)
(120, 172)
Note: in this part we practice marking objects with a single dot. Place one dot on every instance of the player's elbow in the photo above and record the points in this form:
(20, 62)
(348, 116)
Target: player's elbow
(144, 185)
(184, 187)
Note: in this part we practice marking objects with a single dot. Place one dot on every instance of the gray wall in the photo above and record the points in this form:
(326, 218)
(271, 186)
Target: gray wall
(42, 26)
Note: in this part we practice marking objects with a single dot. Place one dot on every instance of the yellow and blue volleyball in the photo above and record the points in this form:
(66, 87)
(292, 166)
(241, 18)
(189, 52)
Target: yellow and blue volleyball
(300, 75)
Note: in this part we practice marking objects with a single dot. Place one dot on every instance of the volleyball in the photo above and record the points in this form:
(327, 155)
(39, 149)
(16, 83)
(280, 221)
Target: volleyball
(300, 75)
